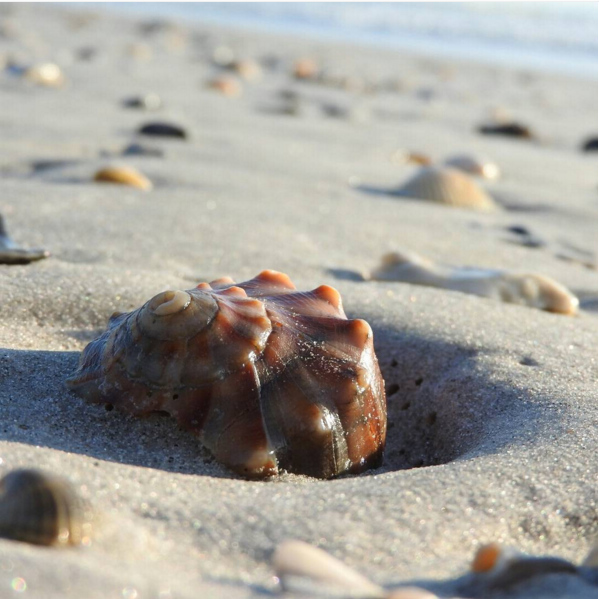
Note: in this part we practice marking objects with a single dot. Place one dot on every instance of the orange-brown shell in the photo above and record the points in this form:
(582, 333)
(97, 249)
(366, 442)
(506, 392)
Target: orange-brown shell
(270, 378)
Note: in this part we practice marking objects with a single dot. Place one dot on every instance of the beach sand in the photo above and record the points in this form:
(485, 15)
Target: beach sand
(492, 415)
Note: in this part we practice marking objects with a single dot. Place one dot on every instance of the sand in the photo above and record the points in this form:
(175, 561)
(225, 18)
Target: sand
(492, 415)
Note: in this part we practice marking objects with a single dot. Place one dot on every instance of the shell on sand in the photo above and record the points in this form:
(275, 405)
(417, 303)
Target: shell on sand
(43, 509)
(248, 69)
(447, 186)
(474, 165)
(305, 68)
(227, 86)
(48, 74)
(268, 377)
(529, 289)
(123, 175)
(11, 253)
(293, 560)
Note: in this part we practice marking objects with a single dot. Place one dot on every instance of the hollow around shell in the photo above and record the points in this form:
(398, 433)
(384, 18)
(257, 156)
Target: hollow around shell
(42, 509)
(270, 378)
(447, 186)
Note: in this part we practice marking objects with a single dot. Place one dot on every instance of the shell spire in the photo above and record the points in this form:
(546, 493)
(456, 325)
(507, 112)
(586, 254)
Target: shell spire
(270, 378)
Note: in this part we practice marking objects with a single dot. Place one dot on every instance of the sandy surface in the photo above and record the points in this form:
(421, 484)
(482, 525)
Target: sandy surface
(493, 431)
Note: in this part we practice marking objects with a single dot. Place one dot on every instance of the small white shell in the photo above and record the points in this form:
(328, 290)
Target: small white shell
(294, 560)
(447, 186)
(474, 165)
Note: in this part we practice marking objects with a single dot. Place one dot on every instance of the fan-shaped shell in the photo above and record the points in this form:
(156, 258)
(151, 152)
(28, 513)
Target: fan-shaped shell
(270, 378)
(474, 165)
(447, 186)
(39, 508)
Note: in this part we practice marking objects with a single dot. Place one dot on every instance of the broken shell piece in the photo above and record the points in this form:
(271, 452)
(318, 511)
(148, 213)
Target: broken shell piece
(42, 509)
(404, 157)
(123, 175)
(472, 165)
(535, 290)
(296, 562)
(500, 568)
(227, 86)
(11, 253)
(447, 186)
(48, 74)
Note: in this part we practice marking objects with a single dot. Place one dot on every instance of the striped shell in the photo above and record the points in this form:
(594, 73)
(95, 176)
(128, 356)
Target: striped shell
(268, 377)
(447, 186)
(42, 509)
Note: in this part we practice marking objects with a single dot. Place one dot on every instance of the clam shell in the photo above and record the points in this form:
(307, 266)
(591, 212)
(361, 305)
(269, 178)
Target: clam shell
(473, 165)
(294, 560)
(123, 175)
(447, 186)
(268, 377)
(42, 509)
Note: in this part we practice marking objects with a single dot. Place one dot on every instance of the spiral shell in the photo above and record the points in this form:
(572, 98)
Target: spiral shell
(268, 377)
(42, 509)
(447, 186)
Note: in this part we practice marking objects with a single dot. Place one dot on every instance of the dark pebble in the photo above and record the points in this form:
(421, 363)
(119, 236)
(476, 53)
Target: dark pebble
(508, 130)
(590, 145)
(163, 130)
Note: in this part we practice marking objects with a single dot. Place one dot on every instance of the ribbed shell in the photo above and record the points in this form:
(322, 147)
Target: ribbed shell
(42, 509)
(268, 377)
(447, 186)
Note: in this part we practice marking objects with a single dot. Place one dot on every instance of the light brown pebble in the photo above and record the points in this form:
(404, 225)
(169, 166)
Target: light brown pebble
(486, 557)
(123, 175)
(248, 69)
(227, 86)
(47, 74)
(305, 68)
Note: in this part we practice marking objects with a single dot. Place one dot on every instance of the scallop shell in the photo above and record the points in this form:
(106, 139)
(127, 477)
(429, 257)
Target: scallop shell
(11, 253)
(42, 509)
(447, 186)
(123, 175)
(270, 378)
(473, 165)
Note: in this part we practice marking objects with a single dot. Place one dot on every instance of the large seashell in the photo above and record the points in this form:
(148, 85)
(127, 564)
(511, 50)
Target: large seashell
(270, 378)
(123, 175)
(447, 186)
(537, 291)
(11, 253)
(297, 563)
(42, 509)
(473, 165)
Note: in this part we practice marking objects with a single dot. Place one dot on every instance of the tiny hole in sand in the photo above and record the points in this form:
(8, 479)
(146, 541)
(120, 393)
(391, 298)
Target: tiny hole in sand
(405, 406)
(418, 381)
(108, 407)
(431, 418)
(393, 363)
(392, 389)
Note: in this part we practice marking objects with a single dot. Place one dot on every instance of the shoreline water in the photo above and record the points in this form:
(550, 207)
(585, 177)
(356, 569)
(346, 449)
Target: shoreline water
(496, 50)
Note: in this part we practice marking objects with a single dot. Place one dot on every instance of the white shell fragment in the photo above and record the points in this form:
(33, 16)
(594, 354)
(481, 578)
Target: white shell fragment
(529, 289)
(473, 165)
(47, 74)
(172, 302)
(447, 186)
(296, 562)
